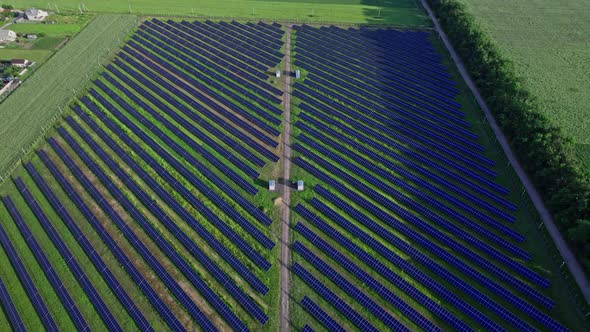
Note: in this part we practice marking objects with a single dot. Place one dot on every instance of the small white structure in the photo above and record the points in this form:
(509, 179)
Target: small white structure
(299, 185)
(31, 36)
(278, 73)
(7, 36)
(298, 74)
(34, 14)
(272, 185)
(21, 63)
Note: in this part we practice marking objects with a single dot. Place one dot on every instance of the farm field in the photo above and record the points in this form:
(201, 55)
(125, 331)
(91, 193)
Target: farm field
(30, 109)
(549, 45)
(409, 215)
(148, 190)
(399, 12)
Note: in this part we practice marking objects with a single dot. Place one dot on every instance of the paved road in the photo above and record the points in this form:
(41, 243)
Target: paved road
(568, 256)
(286, 206)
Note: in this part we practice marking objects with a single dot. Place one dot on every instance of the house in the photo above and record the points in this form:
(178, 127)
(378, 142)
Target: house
(7, 36)
(19, 62)
(34, 14)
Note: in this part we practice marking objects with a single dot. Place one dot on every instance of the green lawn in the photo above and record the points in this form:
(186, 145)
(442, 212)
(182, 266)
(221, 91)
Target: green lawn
(32, 106)
(402, 12)
(37, 55)
(550, 46)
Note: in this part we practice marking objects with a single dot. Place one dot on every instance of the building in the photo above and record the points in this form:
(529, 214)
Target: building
(19, 62)
(272, 185)
(7, 36)
(34, 14)
(299, 185)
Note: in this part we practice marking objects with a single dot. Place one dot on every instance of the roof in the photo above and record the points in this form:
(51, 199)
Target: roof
(23, 61)
(5, 34)
(35, 12)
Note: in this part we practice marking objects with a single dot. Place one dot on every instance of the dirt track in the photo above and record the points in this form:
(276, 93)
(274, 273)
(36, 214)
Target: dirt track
(286, 215)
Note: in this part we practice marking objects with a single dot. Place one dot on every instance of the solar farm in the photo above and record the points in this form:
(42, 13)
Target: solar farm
(147, 206)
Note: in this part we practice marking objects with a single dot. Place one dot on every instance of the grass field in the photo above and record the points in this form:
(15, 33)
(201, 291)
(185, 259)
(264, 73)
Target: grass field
(550, 47)
(32, 106)
(65, 25)
(37, 55)
(399, 12)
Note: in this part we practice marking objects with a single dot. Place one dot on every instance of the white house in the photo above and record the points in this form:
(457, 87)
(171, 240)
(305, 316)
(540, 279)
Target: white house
(7, 36)
(34, 14)
(19, 62)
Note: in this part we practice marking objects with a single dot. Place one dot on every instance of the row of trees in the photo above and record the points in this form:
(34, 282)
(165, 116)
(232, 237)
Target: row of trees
(545, 152)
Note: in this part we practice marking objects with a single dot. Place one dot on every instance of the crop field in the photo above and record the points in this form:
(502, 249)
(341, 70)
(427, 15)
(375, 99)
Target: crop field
(29, 111)
(409, 220)
(549, 45)
(399, 12)
(143, 202)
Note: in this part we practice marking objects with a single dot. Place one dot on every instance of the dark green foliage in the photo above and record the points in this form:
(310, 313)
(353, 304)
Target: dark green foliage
(546, 154)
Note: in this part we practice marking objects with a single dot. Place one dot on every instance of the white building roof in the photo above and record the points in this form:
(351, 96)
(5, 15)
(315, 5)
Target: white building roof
(7, 35)
(34, 12)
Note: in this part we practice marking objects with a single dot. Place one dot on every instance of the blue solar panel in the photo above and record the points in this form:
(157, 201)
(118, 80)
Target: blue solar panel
(170, 282)
(349, 288)
(318, 313)
(26, 281)
(84, 242)
(12, 314)
(183, 238)
(333, 299)
(73, 264)
(132, 271)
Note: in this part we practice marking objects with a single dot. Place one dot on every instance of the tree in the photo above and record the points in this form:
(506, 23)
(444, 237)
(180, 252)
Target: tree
(581, 232)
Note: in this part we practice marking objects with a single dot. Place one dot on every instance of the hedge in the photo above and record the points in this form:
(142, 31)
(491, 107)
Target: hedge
(547, 155)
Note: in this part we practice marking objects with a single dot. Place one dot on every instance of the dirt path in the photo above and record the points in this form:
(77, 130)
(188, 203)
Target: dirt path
(286, 215)
(568, 257)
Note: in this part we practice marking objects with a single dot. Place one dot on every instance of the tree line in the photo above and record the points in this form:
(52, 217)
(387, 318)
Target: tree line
(545, 152)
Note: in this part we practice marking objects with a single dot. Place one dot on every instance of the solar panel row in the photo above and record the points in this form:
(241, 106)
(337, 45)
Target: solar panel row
(407, 200)
(85, 244)
(180, 210)
(202, 87)
(430, 169)
(372, 160)
(210, 68)
(239, 163)
(412, 270)
(228, 113)
(73, 264)
(16, 321)
(171, 225)
(122, 258)
(141, 248)
(332, 298)
(368, 303)
(376, 104)
(176, 33)
(210, 77)
(394, 92)
(393, 277)
(431, 73)
(441, 152)
(200, 185)
(417, 237)
(318, 313)
(386, 75)
(430, 158)
(371, 282)
(27, 282)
